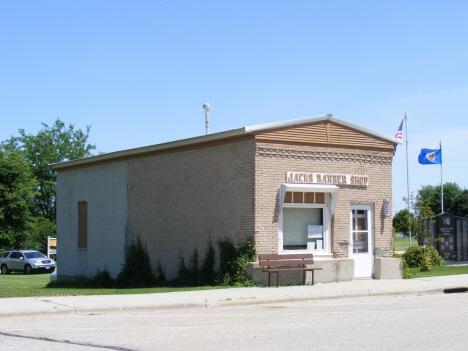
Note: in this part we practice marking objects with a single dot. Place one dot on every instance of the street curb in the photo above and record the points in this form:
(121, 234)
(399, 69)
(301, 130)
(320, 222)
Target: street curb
(223, 303)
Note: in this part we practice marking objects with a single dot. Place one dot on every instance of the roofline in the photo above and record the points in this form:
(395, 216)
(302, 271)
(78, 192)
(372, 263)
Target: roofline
(218, 136)
(315, 119)
(147, 149)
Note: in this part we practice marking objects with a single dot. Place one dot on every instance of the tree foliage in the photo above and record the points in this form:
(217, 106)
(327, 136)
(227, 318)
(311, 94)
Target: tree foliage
(17, 189)
(420, 219)
(53, 144)
(28, 185)
(430, 195)
(460, 205)
(400, 223)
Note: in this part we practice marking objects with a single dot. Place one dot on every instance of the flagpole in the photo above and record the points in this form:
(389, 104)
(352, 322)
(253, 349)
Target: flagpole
(407, 179)
(441, 183)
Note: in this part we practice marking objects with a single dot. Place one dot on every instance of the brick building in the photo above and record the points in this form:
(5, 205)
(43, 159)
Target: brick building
(316, 184)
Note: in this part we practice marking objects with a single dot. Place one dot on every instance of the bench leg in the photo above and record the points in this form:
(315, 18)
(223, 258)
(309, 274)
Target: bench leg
(277, 279)
(313, 277)
(269, 273)
(303, 277)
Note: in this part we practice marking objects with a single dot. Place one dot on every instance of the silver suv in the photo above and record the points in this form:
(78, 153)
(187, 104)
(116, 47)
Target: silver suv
(27, 261)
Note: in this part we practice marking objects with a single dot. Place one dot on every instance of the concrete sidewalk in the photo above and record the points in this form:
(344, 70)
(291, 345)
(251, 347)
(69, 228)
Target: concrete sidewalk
(56, 305)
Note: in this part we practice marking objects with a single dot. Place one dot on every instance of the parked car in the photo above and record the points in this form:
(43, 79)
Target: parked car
(27, 261)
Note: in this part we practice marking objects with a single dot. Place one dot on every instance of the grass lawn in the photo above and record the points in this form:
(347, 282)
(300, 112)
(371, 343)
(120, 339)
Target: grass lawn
(401, 244)
(20, 285)
(439, 270)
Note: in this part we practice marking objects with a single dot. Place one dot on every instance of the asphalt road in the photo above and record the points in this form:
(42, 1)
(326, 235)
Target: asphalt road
(429, 322)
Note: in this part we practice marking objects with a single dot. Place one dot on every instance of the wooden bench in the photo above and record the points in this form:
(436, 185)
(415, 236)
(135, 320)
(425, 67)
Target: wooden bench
(278, 262)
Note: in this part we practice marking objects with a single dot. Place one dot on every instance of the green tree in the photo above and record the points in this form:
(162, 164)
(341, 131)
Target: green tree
(423, 216)
(460, 205)
(430, 195)
(17, 189)
(420, 219)
(400, 223)
(40, 229)
(53, 144)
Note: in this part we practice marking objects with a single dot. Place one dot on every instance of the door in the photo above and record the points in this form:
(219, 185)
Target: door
(14, 261)
(361, 242)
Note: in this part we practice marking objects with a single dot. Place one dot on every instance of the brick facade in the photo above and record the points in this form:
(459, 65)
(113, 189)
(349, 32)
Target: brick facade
(180, 201)
(179, 196)
(272, 161)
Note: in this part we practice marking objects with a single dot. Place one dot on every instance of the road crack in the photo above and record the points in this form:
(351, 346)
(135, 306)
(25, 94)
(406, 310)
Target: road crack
(116, 348)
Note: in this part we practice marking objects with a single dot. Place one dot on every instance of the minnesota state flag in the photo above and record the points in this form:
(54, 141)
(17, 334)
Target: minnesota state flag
(430, 157)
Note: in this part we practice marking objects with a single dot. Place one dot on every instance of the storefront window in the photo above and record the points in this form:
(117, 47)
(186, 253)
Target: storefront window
(303, 226)
(303, 229)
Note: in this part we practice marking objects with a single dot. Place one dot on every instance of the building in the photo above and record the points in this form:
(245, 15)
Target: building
(316, 184)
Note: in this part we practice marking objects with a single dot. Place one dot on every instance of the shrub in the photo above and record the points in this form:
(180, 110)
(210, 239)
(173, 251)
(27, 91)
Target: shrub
(160, 275)
(413, 256)
(207, 272)
(102, 279)
(136, 271)
(425, 264)
(407, 274)
(433, 255)
(183, 274)
(227, 255)
(233, 262)
(194, 270)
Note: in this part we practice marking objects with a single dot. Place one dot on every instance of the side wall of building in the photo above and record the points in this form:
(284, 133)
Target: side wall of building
(179, 202)
(274, 160)
(104, 188)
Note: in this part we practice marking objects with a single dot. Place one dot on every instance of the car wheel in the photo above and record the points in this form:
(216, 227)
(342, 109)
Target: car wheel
(4, 270)
(27, 270)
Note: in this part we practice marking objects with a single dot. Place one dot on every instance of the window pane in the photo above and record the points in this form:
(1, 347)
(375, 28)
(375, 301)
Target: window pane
(295, 228)
(360, 243)
(319, 198)
(362, 225)
(309, 198)
(288, 197)
(297, 198)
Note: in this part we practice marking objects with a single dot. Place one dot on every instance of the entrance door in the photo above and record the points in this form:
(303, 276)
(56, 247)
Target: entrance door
(361, 243)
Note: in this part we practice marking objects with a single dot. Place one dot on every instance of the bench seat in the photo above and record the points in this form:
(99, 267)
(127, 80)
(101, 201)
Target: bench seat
(276, 263)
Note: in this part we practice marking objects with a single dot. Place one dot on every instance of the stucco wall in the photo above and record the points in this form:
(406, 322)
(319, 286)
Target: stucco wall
(272, 161)
(178, 202)
(104, 188)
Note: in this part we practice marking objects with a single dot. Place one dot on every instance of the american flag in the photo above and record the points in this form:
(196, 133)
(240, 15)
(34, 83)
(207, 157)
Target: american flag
(398, 135)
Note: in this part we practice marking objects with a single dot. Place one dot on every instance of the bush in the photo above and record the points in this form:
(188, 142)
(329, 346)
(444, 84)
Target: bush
(233, 262)
(232, 266)
(136, 271)
(102, 279)
(207, 272)
(183, 274)
(160, 279)
(407, 274)
(425, 264)
(434, 258)
(413, 256)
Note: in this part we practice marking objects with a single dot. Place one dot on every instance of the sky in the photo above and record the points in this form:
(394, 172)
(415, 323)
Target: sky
(139, 72)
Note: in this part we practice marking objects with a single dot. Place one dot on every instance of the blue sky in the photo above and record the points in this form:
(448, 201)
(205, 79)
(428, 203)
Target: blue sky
(140, 71)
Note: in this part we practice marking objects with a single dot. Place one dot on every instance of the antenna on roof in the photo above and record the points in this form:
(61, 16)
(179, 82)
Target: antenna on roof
(207, 122)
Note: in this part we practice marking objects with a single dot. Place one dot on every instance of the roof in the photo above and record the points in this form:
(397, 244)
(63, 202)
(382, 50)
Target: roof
(217, 136)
